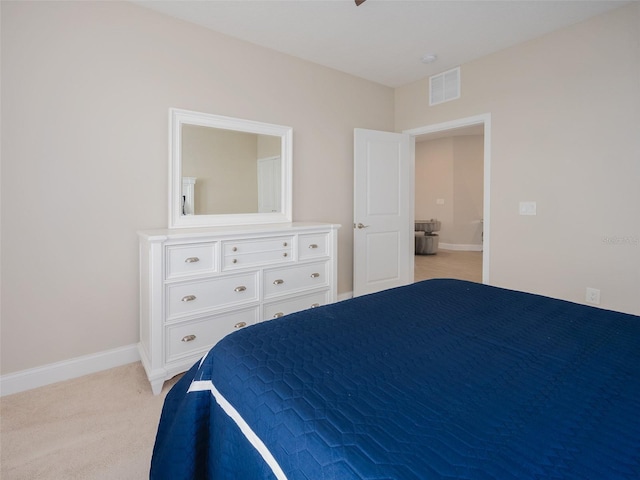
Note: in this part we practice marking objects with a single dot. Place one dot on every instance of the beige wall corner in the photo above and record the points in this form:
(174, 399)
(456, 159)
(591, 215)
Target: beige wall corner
(86, 88)
(565, 112)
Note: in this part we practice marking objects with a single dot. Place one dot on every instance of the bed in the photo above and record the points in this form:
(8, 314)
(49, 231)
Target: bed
(442, 379)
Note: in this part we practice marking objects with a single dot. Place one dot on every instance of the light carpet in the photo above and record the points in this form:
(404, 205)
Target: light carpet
(100, 426)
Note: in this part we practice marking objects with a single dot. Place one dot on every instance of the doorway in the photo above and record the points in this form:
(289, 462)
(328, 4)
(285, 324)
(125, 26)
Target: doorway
(461, 263)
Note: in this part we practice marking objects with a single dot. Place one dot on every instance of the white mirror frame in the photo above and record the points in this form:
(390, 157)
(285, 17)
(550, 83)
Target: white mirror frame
(177, 118)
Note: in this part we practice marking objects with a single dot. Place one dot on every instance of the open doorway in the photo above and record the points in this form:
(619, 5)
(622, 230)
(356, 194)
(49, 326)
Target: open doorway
(452, 172)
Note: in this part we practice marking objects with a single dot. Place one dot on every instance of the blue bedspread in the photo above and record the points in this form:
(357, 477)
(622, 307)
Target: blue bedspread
(442, 379)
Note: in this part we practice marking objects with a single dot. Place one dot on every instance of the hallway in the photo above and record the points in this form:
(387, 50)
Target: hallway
(462, 265)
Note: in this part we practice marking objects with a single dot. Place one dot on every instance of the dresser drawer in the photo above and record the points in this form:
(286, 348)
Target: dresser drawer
(251, 253)
(192, 297)
(300, 277)
(190, 338)
(190, 259)
(313, 245)
(291, 305)
(198, 284)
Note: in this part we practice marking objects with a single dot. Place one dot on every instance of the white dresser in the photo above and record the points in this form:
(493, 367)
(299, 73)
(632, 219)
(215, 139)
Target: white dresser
(198, 285)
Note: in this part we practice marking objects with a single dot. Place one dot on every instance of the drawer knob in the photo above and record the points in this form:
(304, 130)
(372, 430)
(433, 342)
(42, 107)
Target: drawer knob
(314, 305)
(315, 275)
(285, 254)
(285, 244)
(278, 282)
(235, 260)
(278, 315)
(241, 288)
(234, 249)
(191, 260)
(188, 338)
(240, 325)
(313, 245)
(188, 298)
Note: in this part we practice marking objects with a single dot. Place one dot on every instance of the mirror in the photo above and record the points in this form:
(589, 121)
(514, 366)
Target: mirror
(227, 171)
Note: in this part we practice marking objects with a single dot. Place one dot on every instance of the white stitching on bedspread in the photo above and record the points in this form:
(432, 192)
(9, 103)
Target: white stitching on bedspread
(204, 385)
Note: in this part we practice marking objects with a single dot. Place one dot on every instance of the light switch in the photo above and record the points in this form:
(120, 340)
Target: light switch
(527, 208)
(439, 201)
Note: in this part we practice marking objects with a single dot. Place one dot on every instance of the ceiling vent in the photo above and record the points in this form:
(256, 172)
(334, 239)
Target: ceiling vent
(444, 86)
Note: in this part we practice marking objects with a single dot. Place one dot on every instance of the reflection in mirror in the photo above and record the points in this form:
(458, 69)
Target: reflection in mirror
(188, 195)
(232, 169)
(227, 171)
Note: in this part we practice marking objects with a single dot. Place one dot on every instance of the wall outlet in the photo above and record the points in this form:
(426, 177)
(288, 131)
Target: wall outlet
(527, 208)
(593, 296)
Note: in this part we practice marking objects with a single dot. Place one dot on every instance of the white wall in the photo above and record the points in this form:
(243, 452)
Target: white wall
(451, 169)
(86, 88)
(565, 132)
(468, 170)
(434, 180)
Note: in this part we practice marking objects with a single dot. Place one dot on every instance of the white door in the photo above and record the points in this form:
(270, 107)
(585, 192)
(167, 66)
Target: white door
(383, 238)
(269, 175)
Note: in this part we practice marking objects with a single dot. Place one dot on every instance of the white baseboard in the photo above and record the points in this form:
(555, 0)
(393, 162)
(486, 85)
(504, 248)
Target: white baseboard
(67, 369)
(460, 247)
(345, 296)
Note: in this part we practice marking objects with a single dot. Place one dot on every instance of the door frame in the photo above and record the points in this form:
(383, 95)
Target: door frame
(484, 119)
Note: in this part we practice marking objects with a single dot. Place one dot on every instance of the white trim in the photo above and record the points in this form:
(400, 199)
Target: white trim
(460, 247)
(67, 369)
(484, 119)
(178, 118)
(250, 435)
(345, 296)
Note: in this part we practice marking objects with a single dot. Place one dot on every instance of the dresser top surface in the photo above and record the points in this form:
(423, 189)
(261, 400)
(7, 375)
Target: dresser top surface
(267, 229)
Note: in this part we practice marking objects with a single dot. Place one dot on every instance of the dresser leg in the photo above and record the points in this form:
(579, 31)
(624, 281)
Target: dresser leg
(156, 386)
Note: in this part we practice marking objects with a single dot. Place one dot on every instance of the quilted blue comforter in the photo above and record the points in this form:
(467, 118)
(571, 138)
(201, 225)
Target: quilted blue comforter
(442, 379)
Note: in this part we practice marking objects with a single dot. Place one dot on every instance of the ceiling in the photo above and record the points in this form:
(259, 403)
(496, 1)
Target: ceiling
(384, 40)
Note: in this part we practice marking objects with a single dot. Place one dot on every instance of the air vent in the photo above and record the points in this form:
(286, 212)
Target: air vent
(444, 86)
